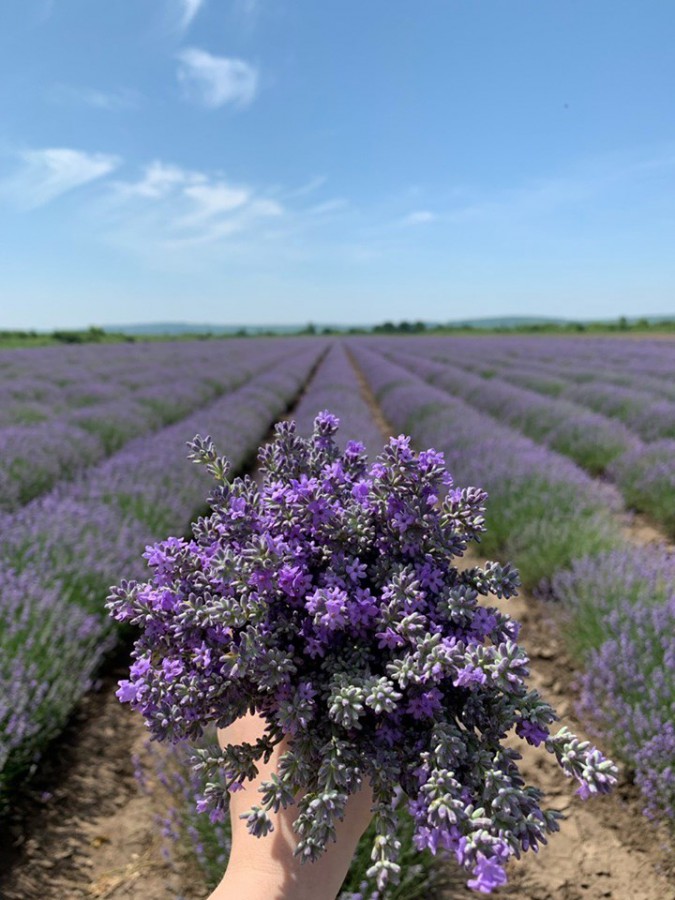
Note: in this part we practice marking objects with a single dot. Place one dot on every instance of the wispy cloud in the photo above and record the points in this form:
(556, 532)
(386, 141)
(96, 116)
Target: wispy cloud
(309, 187)
(214, 81)
(169, 207)
(113, 101)
(419, 217)
(328, 206)
(159, 180)
(43, 175)
(187, 12)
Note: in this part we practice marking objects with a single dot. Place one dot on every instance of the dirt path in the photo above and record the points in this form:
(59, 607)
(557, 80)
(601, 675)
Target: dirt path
(85, 829)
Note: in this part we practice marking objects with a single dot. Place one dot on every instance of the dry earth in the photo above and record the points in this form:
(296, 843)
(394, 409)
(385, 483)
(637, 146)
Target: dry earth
(85, 829)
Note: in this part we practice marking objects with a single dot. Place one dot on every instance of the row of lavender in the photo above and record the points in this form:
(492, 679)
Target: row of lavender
(556, 523)
(643, 472)
(334, 386)
(59, 554)
(633, 381)
(61, 414)
(642, 365)
(38, 383)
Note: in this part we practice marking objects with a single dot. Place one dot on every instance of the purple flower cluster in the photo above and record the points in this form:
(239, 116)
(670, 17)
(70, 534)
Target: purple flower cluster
(326, 599)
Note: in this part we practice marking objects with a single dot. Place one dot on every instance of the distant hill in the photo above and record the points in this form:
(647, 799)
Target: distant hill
(152, 328)
(156, 328)
(508, 322)
(515, 322)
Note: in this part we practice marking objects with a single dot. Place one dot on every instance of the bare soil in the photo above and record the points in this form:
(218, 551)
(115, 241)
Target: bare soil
(85, 828)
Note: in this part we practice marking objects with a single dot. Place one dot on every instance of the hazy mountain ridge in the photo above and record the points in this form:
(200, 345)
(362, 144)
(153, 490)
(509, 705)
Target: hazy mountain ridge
(152, 328)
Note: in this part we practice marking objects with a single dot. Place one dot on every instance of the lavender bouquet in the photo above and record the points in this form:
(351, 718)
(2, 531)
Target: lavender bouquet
(326, 600)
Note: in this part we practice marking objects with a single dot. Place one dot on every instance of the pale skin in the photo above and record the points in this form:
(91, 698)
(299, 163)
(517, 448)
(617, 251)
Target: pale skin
(265, 868)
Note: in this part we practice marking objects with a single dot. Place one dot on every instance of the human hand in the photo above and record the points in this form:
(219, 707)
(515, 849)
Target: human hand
(265, 868)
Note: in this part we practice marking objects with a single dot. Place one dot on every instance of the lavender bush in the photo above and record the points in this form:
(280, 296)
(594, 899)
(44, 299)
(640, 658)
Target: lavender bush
(628, 692)
(646, 477)
(618, 610)
(327, 601)
(595, 586)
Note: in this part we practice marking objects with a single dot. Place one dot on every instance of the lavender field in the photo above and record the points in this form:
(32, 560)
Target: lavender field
(572, 438)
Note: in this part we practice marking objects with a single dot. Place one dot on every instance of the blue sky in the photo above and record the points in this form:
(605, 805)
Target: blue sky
(251, 161)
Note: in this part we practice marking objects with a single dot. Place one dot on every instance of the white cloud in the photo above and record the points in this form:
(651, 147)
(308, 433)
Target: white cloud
(158, 181)
(420, 217)
(170, 208)
(214, 199)
(188, 11)
(214, 81)
(44, 175)
(213, 232)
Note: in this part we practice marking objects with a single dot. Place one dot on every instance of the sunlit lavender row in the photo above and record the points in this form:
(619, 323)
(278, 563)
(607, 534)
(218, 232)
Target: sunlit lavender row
(556, 524)
(644, 403)
(54, 426)
(563, 367)
(59, 553)
(335, 386)
(643, 364)
(544, 510)
(643, 472)
(40, 383)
